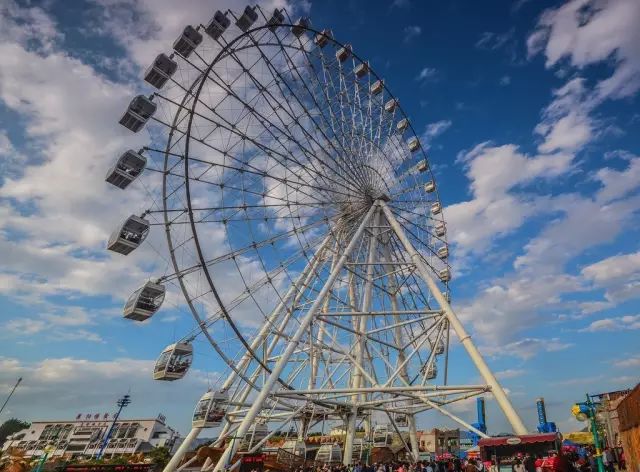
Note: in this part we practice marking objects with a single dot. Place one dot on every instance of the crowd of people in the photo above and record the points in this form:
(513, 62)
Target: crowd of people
(450, 465)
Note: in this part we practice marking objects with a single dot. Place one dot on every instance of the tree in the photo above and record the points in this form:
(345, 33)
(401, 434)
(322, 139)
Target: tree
(11, 426)
(159, 457)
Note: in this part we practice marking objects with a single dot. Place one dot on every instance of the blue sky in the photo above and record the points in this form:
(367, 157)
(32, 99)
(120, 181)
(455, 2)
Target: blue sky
(530, 111)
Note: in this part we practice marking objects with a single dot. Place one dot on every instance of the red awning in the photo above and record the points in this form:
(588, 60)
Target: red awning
(515, 440)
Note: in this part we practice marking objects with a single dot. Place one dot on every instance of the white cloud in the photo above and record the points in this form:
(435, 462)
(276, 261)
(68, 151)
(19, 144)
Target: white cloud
(433, 130)
(588, 33)
(510, 373)
(73, 385)
(426, 73)
(526, 348)
(619, 275)
(621, 323)
(492, 41)
(505, 80)
(411, 32)
(633, 361)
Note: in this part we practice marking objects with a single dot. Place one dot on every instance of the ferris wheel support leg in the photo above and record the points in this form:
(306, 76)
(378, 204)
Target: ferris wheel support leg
(293, 343)
(465, 338)
(356, 379)
(413, 433)
(172, 465)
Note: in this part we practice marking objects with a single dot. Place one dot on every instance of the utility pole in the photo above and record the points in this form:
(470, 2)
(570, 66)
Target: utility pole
(10, 394)
(122, 402)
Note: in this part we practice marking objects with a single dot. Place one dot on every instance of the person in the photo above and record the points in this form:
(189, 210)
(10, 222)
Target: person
(529, 463)
(493, 467)
(518, 466)
(471, 466)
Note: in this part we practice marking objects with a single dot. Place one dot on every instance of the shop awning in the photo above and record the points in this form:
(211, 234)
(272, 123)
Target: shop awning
(515, 440)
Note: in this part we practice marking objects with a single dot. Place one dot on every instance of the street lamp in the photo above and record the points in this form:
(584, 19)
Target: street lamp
(122, 402)
(585, 411)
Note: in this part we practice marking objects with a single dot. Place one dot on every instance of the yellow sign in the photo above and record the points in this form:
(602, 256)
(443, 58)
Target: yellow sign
(579, 437)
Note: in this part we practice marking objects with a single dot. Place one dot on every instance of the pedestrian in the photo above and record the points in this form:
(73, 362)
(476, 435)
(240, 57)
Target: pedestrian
(518, 466)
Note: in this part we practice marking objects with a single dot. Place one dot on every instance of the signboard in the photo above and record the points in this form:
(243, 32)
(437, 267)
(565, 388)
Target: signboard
(252, 463)
(514, 441)
(579, 437)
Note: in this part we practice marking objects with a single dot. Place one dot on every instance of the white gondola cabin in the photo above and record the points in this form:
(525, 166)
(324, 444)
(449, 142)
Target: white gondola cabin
(257, 432)
(217, 25)
(413, 144)
(174, 362)
(401, 420)
(432, 372)
(391, 105)
(447, 296)
(344, 52)
(249, 17)
(301, 26)
(322, 39)
(443, 252)
(430, 186)
(160, 71)
(210, 410)
(129, 235)
(377, 87)
(439, 347)
(436, 208)
(138, 113)
(359, 451)
(276, 19)
(296, 447)
(382, 437)
(361, 70)
(188, 41)
(329, 453)
(126, 169)
(440, 229)
(144, 302)
(422, 166)
(402, 125)
(445, 274)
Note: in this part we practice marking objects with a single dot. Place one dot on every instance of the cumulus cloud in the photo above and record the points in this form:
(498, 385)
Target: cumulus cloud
(527, 348)
(622, 323)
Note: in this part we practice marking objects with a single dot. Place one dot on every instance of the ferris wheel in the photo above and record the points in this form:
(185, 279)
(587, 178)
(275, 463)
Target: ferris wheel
(304, 231)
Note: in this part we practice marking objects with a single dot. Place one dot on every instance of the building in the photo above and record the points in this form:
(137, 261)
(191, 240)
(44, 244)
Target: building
(628, 413)
(83, 436)
(609, 415)
(438, 441)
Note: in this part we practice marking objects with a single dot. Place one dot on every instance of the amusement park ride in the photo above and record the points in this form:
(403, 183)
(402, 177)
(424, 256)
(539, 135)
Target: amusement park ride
(305, 231)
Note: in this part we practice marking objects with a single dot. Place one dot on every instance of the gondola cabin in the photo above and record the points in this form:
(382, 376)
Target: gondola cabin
(160, 71)
(129, 235)
(361, 70)
(138, 113)
(144, 302)
(440, 229)
(256, 433)
(430, 186)
(359, 452)
(401, 420)
(445, 274)
(276, 20)
(217, 25)
(422, 166)
(248, 18)
(439, 347)
(431, 372)
(187, 42)
(210, 410)
(126, 169)
(443, 252)
(436, 208)
(174, 362)
(391, 105)
(402, 125)
(301, 26)
(296, 447)
(413, 144)
(329, 453)
(382, 437)
(377, 87)
(322, 39)
(343, 53)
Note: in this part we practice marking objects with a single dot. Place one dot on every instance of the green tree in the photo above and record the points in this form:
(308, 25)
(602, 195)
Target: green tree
(11, 426)
(159, 457)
